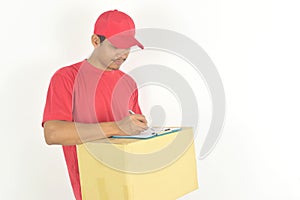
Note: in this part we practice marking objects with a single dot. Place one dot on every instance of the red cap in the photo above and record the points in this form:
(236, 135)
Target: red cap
(118, 28)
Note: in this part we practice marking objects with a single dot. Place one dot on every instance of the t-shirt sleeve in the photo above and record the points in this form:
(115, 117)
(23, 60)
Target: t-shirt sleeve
(59, 99)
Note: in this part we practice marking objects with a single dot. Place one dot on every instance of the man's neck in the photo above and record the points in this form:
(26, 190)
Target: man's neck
(96, 63)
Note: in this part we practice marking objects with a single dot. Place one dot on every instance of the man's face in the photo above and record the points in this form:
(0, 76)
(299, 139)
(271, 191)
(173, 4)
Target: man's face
(111, 57)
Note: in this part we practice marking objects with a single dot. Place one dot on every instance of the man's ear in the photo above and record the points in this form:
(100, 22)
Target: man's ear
(95, 40)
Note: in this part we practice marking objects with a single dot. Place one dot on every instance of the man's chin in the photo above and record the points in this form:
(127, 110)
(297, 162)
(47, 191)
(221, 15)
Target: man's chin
(113, 67)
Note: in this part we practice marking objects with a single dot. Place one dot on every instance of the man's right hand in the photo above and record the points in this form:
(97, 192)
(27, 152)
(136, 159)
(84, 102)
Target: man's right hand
(132, 124)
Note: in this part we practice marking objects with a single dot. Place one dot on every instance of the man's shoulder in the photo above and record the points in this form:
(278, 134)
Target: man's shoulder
(66, 75)
(126, 76)
(69, 71)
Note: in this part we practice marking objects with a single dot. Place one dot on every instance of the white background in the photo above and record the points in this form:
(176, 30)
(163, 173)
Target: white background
(254, 44)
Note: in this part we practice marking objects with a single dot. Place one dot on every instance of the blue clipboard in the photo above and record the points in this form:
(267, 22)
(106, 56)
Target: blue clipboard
(150, 133)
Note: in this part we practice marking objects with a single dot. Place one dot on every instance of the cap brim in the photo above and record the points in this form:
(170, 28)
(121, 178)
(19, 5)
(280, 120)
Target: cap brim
(124, 41)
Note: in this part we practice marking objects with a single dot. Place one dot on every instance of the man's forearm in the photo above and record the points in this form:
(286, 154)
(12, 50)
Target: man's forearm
(72, 133)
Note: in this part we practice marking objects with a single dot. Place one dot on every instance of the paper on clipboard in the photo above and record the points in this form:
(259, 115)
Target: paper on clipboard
(150, 132)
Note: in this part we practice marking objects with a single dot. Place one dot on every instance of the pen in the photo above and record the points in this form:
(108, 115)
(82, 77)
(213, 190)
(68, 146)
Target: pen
(131, 112)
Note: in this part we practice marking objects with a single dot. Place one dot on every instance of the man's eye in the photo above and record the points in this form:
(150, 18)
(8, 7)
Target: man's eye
(113, 46)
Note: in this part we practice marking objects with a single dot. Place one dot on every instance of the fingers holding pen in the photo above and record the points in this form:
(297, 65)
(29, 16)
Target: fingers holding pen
(139, 120)
(133, 124)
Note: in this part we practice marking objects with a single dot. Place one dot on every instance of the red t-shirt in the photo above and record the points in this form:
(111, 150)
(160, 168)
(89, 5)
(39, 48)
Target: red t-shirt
(86, 94)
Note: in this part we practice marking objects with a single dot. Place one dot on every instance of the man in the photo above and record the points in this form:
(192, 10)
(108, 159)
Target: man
(90, 100)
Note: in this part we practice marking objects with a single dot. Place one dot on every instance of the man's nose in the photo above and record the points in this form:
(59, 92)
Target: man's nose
(123, 53)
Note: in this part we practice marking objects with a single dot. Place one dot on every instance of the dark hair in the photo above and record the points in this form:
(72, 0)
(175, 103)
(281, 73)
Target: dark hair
(101, 37)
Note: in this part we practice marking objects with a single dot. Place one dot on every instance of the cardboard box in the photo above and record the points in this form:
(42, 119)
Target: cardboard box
(160, 168)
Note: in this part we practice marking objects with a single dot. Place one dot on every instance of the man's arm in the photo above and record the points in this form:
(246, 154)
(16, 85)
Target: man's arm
(72, 133)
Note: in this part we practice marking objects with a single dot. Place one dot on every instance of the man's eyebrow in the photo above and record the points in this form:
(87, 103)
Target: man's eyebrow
(112, 45)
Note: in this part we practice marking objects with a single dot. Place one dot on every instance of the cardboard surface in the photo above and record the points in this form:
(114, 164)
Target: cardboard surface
(131, 169)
